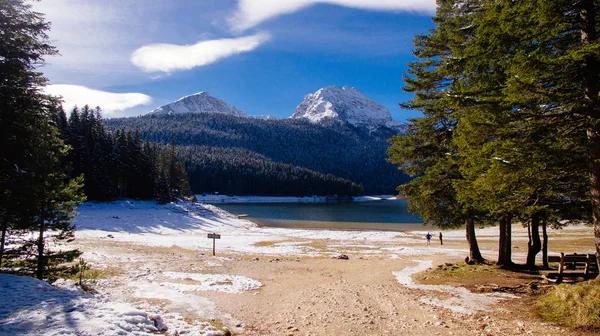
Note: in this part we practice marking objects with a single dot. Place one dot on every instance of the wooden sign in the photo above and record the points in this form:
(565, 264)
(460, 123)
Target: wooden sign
(214, 236)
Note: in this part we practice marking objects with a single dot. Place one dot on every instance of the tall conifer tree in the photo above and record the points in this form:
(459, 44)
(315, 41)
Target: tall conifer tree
(426, 151)
(35, 193)
(522, 135)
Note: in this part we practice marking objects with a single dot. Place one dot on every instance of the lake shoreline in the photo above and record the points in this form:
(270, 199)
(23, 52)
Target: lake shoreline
(373, 213)
(333, 226)
(224, 199)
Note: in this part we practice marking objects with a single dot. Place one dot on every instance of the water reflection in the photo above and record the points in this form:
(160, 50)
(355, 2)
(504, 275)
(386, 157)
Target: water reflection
(375, 215)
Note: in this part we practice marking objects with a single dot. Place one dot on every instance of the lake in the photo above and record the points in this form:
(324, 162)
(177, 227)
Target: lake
(373, 215)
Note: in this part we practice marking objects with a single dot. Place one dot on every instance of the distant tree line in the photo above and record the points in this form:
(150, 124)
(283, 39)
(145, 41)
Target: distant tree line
(237, 171)
(509, 92)
(342, 150)
(119, 164)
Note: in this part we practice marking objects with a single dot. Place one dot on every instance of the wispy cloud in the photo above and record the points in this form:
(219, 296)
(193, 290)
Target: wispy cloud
(110, 103)
(171, 57)
(95, 39)
(252, 12)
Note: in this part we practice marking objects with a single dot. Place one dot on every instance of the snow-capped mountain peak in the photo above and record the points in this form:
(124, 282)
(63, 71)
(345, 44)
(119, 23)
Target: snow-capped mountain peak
(200, 102)
(345, 104)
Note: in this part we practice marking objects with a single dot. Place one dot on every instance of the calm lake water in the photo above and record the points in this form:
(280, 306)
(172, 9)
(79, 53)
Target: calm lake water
(373, 215)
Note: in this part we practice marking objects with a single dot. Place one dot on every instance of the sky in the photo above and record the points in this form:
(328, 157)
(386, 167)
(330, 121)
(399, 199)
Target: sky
(261, 56)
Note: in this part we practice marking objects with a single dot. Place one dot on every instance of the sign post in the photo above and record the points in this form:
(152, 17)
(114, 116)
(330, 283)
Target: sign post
(214, 236)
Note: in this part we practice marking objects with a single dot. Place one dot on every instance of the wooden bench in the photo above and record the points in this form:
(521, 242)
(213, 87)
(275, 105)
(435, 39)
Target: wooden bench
(572, 266)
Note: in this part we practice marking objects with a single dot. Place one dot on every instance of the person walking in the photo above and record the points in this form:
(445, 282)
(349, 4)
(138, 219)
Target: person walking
(428, 236)
(441, 240)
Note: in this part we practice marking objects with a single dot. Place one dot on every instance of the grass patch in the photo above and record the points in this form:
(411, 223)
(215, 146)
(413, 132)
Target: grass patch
(16, 263)
(267, 243)
(319, 245)
(572, 305)
(478, 277)
(214, 323)
(96, 273)
(456, 273)
(109, 272)
(271, 243)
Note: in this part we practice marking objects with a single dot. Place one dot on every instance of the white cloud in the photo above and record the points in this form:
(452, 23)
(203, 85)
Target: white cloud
(110, 103)
(252, 12)
(96, 37)
(170, 57)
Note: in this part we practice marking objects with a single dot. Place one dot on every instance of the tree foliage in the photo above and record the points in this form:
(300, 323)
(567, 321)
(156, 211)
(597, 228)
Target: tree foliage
(427, 151)
(120, 165)
(520, 81)
(36, 197)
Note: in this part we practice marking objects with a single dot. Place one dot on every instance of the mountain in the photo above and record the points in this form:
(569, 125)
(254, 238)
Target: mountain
(334, 143)
(200, 102)
(344, 104)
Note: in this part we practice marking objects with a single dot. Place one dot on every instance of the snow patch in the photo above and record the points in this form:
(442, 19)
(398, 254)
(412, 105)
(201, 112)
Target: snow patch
(212, 282)
(33, 307)
(462, 301)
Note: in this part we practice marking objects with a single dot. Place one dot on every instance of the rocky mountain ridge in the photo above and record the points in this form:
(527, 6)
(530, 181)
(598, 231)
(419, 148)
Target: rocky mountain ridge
(345, 104)
(332, 104)
(201, 102)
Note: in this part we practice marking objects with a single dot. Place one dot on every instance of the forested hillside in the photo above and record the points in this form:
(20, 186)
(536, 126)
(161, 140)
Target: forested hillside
(119, 164)
(264, 151)
(242, 172)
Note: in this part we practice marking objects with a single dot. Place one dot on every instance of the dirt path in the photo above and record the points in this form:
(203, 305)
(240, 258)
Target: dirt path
(307, 295)
(354, 297)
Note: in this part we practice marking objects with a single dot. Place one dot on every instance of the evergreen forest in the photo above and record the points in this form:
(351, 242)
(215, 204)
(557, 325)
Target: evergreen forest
(119, 165)
(250, 156)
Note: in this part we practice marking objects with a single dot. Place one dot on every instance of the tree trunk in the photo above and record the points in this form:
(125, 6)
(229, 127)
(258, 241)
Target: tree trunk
(41, 262)
(545, 246)
(591, 71)
(474, 253)
(594, 139)
(535, 245)
(501, 242)
(4, 229)
(504, 246)
(529, 231)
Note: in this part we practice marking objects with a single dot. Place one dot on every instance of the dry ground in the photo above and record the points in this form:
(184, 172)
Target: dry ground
(323, 296)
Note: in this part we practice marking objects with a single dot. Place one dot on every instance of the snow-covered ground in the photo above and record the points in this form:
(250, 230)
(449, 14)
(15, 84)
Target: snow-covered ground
(187, 225)
(32, 307)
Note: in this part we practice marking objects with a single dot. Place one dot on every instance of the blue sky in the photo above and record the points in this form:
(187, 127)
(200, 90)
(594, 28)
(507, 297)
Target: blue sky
(262, 56)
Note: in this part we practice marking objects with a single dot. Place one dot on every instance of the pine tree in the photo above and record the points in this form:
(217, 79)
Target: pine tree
(55, 197)
(520, 159)
(23, 44)
(36, 194)
(162, 190)
(149, 170)
(426, 151)
(555, 80)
